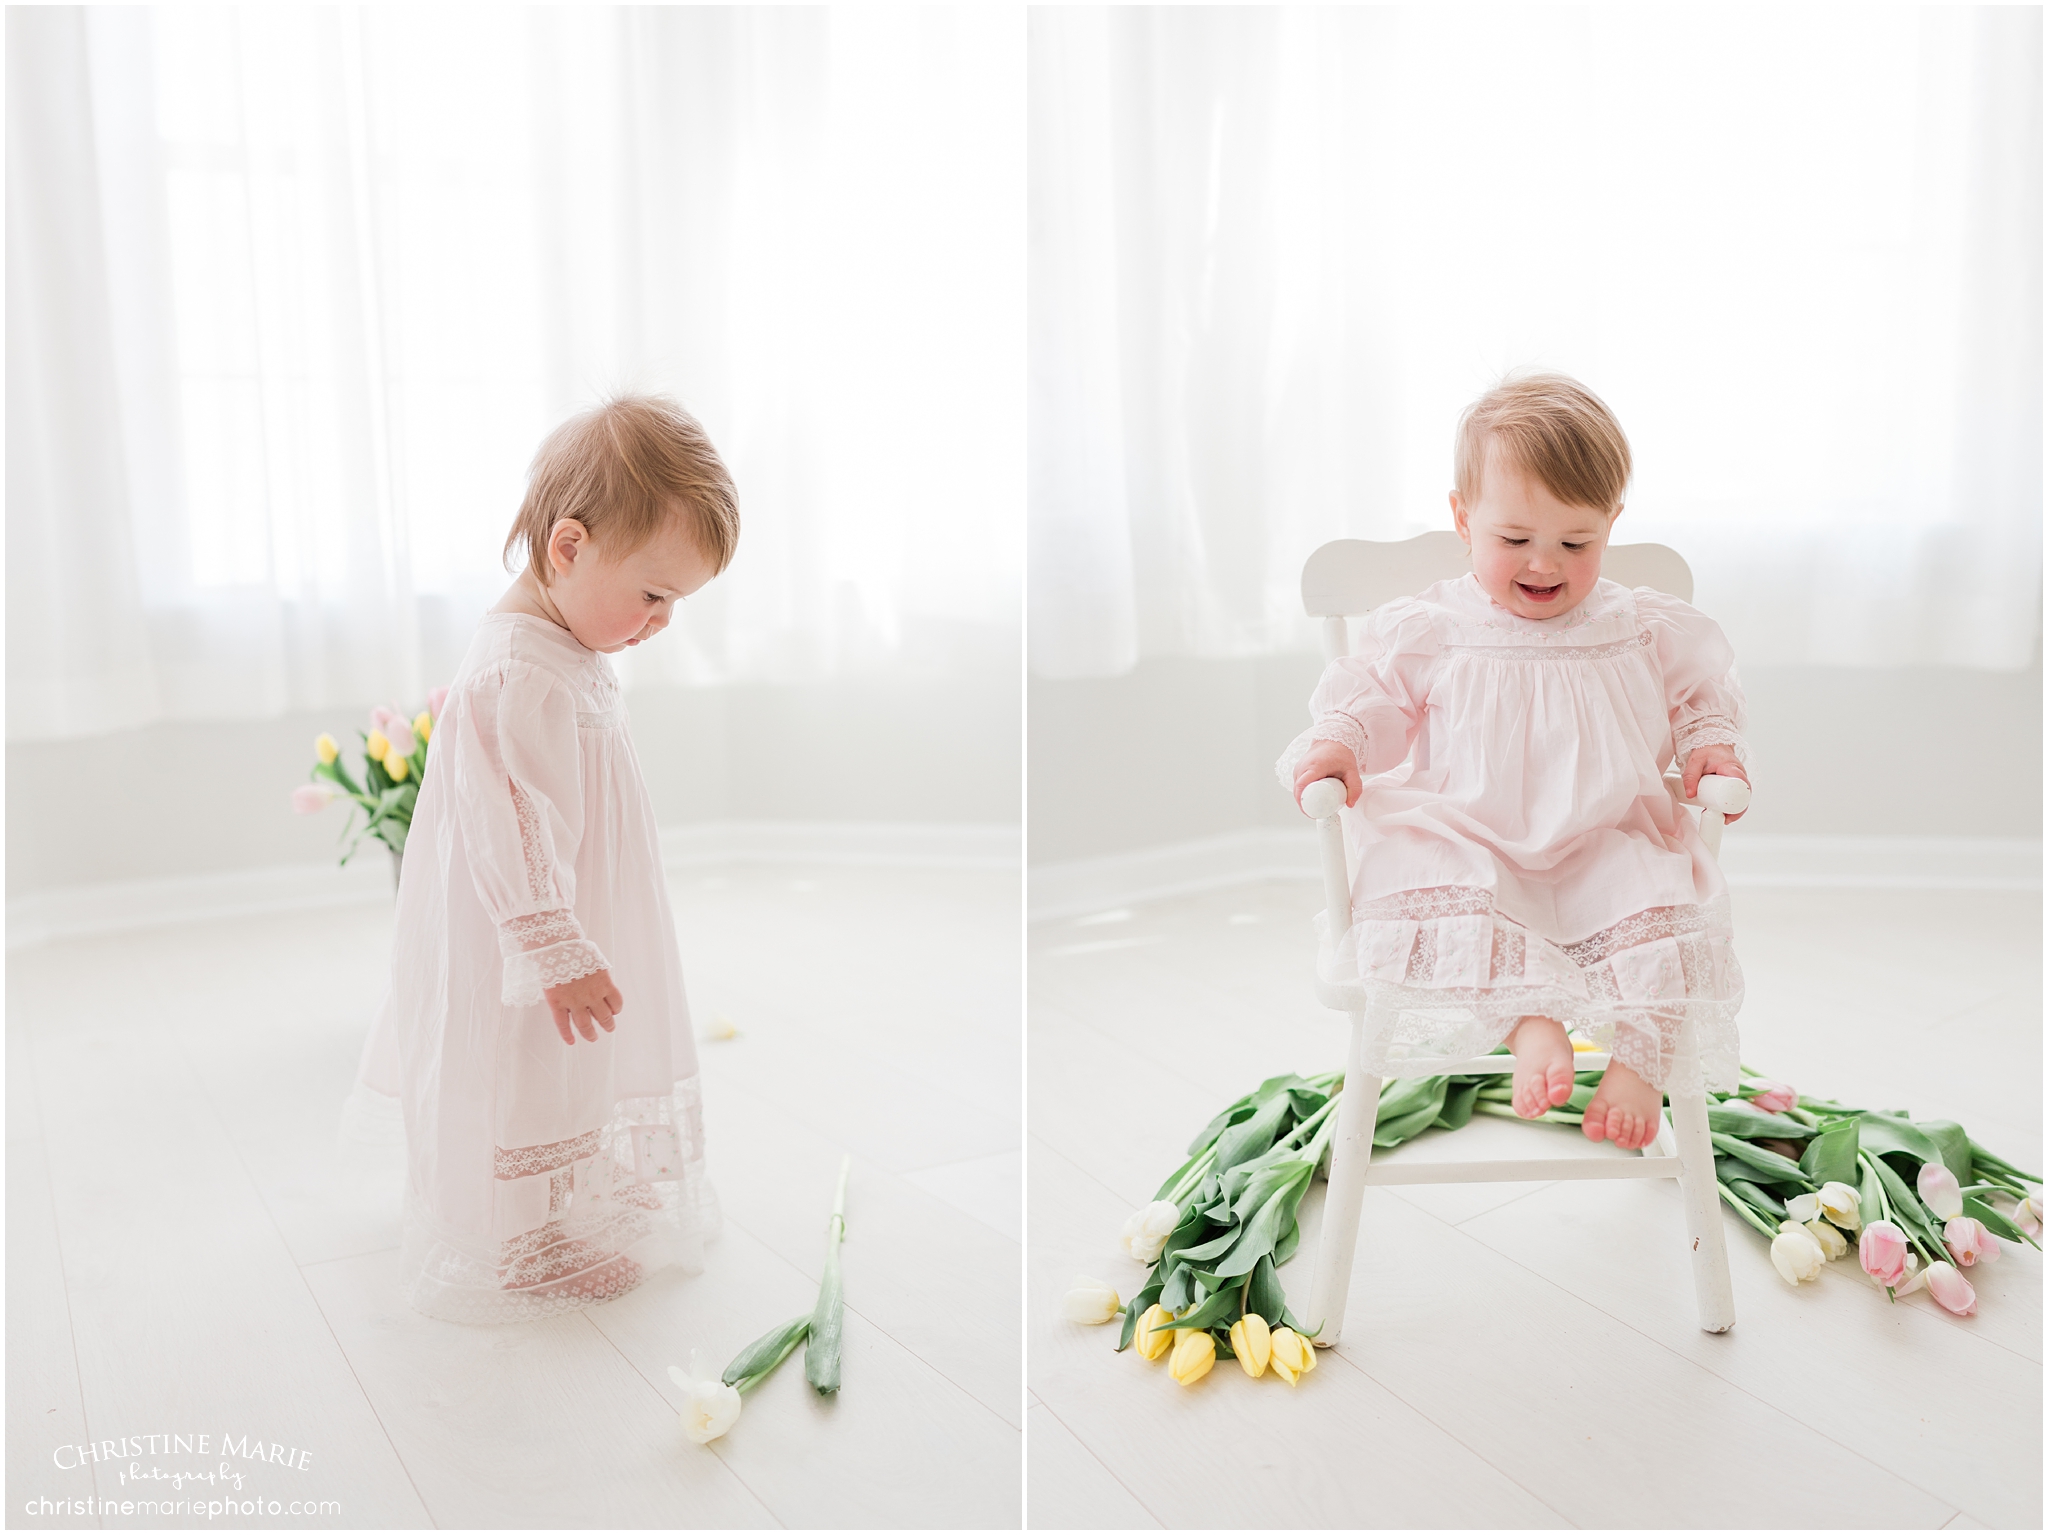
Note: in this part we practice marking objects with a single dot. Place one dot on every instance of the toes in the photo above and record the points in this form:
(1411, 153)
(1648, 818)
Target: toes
(1559, 1082)
(1595, 1124)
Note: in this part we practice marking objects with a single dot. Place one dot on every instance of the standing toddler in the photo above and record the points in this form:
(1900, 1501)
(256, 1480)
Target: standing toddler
(535, 1031)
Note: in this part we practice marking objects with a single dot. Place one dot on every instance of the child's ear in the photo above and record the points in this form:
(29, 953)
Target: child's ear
(1458, 519)
(566, 540)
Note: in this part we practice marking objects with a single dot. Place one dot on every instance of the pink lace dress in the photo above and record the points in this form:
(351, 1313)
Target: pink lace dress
(541, 1176)
(1516, 850)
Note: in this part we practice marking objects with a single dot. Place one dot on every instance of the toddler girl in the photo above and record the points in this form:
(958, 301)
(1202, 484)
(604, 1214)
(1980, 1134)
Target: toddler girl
(1519, 863)
(535, 1031)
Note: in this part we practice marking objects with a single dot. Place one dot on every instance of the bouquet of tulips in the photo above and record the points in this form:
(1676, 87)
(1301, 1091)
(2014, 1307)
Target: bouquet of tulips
(1923, 1200)
(394, 758)
(1216, 1234)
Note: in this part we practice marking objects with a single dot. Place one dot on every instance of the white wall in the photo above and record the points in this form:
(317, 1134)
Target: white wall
(186, 799)
(1179, 749)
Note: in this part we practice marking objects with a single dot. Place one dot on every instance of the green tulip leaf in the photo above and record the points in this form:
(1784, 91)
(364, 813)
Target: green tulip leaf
(1884, 1135)
(1906, 1206)
(1953, 1141)
(1984, 1161)
(766, 1351)
(1830, 1156)
(1140, 1304)
(1240, 1110)
(1774, 1168)
(1290, 1243)
(1869, 1202)
(1262, 1231)
(1738, 1116)
(1264, 1294)
(1242, 1142)
(1220, 1307)
(1458, 1100)
(1177, 1292)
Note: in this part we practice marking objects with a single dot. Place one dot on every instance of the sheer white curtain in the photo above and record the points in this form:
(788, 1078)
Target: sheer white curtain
(1275, 251)
(293, 293)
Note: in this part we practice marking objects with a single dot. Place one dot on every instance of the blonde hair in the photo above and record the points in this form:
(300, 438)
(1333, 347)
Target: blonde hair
(1553, 428)
(622, 470)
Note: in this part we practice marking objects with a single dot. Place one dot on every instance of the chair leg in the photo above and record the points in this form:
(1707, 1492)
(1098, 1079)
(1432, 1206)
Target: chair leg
(1703, 1222)
(1350, 1155)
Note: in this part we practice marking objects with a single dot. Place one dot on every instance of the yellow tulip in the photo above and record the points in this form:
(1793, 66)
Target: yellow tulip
(1584, 1046)
(397, 767)
(1193, 1356)
(1153, 1337)
(423, 725)
(1293, 1355)
(377, 744)
(327, 748)
(1252, 1341)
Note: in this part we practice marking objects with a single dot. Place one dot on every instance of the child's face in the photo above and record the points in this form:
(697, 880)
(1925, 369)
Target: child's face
(608, 603)
(1535, 555)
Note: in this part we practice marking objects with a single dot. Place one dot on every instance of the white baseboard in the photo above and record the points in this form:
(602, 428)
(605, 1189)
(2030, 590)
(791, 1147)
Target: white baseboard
(1757, 861)
(75, 911)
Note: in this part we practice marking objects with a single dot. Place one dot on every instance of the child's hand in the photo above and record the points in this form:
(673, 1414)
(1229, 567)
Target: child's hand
(590, 1002)
(1718, 760)
(1329, 759)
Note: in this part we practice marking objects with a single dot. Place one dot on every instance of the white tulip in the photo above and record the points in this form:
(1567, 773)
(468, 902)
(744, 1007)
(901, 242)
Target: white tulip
(1840, 1203)
(1091, 1302)
(1796, 1254)
(1832, 1242)
(1804, 1208)
(710, 1406)
(1147, 1229)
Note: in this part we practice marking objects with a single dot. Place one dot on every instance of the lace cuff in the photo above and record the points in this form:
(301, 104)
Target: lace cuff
(1707, 730)
(528, 975)
(543, 949)
(1335, 726)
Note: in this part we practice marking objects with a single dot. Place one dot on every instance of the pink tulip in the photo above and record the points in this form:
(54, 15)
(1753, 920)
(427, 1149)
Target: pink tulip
(1951, 1289)
(1968, 1242)
(435, 699)
(1775, 1098)
(310, 798)
(1882, 1252)
(1939, 1190)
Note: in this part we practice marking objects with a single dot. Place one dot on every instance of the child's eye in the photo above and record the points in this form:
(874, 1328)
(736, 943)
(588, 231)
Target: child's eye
(1513, 543)
(1575, 548)
(650, 596)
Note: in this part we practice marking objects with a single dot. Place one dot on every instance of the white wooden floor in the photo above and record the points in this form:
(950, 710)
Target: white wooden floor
(1528, 1355)
(183, 1257)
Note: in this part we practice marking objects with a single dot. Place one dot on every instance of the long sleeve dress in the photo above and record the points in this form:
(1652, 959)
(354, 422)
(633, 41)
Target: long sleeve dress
(541, 1176)
(1516, 850)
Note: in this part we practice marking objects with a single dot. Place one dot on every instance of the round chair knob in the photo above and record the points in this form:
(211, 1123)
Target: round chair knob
(1324, 797)
(1730, 796)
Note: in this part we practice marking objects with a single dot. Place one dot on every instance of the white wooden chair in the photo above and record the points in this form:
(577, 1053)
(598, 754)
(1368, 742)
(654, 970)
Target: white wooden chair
(1351, 577)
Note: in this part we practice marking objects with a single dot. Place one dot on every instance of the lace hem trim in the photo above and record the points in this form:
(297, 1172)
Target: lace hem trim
(530, 974)
(1451, 976)
(607, 1223)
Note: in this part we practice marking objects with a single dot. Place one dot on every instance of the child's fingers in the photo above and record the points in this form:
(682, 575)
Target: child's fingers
(562, 1026)
(614, 1001)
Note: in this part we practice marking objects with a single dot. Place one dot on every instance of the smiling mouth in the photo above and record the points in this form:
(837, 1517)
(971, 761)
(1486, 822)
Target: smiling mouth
(1539, 593)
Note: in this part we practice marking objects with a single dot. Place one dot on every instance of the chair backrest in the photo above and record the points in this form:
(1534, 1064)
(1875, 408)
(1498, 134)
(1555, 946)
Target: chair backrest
(1349, 576)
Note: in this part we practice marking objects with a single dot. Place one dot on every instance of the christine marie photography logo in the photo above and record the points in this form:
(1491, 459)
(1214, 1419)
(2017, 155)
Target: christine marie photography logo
(217, 1486)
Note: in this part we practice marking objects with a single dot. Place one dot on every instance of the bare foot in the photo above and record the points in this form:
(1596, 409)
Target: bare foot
(1543, 1065)
(1626, 1110)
